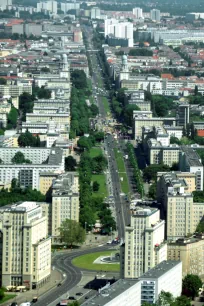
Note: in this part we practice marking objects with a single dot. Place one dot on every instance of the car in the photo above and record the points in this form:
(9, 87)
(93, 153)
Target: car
(58, 285)
(72, 298)
(86, 297)
(109, 242)
(79, 293)
(14, 304)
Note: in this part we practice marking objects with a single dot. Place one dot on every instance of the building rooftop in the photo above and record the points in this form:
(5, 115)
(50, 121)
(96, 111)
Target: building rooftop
(63, 184)
(109, 293)
(185, 241)
(20, 206)
(191, 156)
(159, 270)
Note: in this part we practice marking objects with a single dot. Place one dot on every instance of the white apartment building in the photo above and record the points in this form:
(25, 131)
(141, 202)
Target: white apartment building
(65, 7)
(120, 293)
(26, 252)
(28, 174)
(144, 242)
(5, 4)
(95, 13)
(155, 15)
(166, 276)
(137, 11)
(65, 201)
(50, 6)
(119, 29)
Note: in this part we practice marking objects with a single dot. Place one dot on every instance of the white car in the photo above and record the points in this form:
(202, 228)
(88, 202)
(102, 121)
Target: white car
(109, 242)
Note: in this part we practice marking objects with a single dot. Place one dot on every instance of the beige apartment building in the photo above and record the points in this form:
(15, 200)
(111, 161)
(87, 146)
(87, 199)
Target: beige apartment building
(183, 215)
(167, 181)
(191, 252)
(65, 201)
(45, 182)
(144, 243)
(26, 247)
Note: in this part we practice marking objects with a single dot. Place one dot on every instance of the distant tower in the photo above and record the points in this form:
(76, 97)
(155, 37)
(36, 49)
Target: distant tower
(124, 73)
(65, 67)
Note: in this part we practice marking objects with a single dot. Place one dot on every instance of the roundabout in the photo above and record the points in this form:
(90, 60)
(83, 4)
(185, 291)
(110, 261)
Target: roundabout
(98, 261)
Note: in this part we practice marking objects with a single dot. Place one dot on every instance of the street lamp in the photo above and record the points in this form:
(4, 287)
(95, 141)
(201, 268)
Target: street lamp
(111, 233)
(85, 226)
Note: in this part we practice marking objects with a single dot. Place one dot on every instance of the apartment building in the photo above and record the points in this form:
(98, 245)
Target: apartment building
(191, 252)
(58, 118)
(175, 131)
(122, 292)
(137, 97)
(158, 153)
(45, 182)
(167, 181)
(144, 119)
(28, 174)
(52, 103)
(190, 161)
(15, 90)
(183, 114)
(26, 252)
(65, 201)
(183, 215)
(144, 242)
(155, 15)
(50, 6)
(166, 276)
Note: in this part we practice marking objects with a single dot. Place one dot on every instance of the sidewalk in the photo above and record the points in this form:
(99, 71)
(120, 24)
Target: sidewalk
(22, 297)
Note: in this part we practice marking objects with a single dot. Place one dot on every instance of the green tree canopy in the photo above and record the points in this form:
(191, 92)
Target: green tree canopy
(28, 140)
(3, 81)
(70, 163)
(72, 232)
(12, 118)
(191, 285)
(150, 172)
(96, 186)
(78, 78)
(19, 158)
(128, 114)
(140, 52)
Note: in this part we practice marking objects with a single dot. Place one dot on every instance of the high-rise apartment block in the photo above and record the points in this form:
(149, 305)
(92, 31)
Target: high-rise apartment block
(144, 243)
(137, 11)
(95, 13)
(155, 15)
(183, 114)
(174, 192)
(119, 30)
(4, 4)
(50, 6)
(26, 251)
(191, 252)
(65, 201)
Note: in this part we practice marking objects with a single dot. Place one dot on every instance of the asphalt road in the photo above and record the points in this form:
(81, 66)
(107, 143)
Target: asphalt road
(109, 143)
(63, 262)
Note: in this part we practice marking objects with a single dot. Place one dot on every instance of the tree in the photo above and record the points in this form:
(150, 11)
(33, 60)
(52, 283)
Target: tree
(150, 172)
(28, 140)
(94, 110)
(70, 163)
(153, 191)
(191, 285)
(165, 298)
(12, 118)
(96, 186)
(84, 143)
(2, 81)
(19, 158)
(182, 301)
(79, 79)
(174, 140)
(2, 294)
(196, 90)
(75, 303)
(128, 114)
(72, 232)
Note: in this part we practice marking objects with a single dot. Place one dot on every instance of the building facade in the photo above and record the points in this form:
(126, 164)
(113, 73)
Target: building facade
(26, 252)
(144, 242)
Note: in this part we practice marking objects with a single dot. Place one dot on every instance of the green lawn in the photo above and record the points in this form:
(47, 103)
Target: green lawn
(95, 152)
(106, 105)
(101, 179)
(7, 297)
(86, 262)
(122, 171)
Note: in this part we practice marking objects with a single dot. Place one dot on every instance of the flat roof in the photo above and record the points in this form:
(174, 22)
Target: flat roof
(159, 270)
(111, 292)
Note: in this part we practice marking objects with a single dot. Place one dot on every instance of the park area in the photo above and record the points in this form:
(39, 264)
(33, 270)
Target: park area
(87, 262)
(121, 171)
